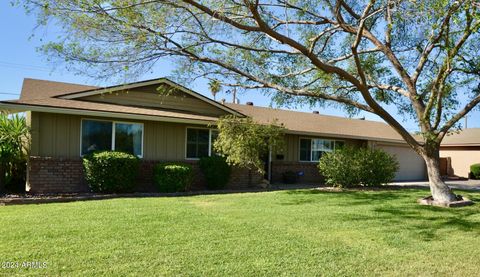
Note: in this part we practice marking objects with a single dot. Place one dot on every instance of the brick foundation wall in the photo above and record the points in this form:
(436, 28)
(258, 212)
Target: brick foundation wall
(54, 175)
(238, 178)
(57, 175)
(311, 174)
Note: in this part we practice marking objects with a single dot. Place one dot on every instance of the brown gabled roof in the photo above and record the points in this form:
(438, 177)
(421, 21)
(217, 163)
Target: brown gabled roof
(40, 95)
(41, 89)
(466, 137)
(33, 89)
(322, 125)
(106, 108)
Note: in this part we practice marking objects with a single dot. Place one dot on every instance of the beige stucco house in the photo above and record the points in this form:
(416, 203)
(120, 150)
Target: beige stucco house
(461, 149)
(159, 120)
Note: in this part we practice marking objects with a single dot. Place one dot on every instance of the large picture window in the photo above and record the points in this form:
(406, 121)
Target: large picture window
(200, 142)
(311, 150)
(100, 135)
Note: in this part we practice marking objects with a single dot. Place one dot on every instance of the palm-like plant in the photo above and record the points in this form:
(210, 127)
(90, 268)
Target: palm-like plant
(14, 142)
(215, 87)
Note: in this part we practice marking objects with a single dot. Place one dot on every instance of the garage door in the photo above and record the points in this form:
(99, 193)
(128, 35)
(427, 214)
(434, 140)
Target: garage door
(412, 166)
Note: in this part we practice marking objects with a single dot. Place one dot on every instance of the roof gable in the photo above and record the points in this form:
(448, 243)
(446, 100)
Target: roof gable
(160, 97)
(197, 102)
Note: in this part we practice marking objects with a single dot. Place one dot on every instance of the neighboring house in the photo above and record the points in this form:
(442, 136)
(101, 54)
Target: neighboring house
(461, 150)
(159, 120)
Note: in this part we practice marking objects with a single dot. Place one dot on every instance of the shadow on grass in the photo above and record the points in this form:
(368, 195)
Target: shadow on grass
(396, 211)
(428, 222)
(345, 198)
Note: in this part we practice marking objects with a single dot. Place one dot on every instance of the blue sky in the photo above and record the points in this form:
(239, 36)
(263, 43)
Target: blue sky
(19, 59)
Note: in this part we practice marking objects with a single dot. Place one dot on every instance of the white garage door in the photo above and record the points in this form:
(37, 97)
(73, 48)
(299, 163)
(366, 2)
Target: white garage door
(412, 166)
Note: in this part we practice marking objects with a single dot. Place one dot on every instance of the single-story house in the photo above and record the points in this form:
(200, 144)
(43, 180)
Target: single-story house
(460, 150)
(159, 120)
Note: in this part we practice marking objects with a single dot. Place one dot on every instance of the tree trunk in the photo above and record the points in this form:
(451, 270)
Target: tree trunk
(440, 191)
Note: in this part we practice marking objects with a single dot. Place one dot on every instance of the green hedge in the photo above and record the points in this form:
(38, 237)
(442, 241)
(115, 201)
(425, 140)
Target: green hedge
(110, 171)
(475, 171)
(173, 177)
(350, 166)
(216, 171)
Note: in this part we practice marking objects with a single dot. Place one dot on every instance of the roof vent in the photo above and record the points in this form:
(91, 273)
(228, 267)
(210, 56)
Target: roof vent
(316, 112)
(223, 101)
(250, 103)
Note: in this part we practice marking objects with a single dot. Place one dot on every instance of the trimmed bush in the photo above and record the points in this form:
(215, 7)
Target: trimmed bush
(216, 170)
(110, 171)
(475, 170)
(350, 166)
(173, 177)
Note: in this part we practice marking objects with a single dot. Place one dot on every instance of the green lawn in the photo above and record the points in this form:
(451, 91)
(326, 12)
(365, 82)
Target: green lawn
(301, 233)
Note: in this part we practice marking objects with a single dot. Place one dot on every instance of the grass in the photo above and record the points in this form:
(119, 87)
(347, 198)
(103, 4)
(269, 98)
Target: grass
(301, 233)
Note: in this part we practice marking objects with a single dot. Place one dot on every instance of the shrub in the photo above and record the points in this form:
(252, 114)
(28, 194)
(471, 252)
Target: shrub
(14, 144)
(16, 176)
(289, 177)
(475, 170)
(110, 171)
(173, 177)
(350, 166)
(216, 170)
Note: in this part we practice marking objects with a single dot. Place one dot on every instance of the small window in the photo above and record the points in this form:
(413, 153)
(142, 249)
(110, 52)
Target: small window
(96, 136)
(198, 143)
(311, 150)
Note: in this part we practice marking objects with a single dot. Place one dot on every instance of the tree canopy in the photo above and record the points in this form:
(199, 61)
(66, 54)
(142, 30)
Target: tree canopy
(420, 57)
(244, 142)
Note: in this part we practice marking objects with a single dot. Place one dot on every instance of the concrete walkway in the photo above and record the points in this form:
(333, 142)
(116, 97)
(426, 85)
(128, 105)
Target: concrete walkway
(473, 185)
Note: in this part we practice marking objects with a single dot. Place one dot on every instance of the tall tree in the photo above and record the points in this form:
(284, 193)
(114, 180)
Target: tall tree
(215, 87)
(420, 57)
(244, 142)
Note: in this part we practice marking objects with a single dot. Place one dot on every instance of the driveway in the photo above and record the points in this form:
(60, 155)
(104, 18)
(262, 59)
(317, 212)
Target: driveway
(454, 184)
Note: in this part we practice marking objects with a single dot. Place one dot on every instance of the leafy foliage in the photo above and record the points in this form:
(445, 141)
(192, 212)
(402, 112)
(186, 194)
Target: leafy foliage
(232, 49)
(14, 144)
(216, 170)
(351, 166)
(215, 87)
(173, 177)
(418, 59)
(475, 170)
(110, 171)
(243, 142)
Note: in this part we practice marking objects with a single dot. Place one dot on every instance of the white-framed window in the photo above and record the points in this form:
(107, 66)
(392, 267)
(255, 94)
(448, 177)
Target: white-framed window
(104, 135)
(312, 149)
(199, 142)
